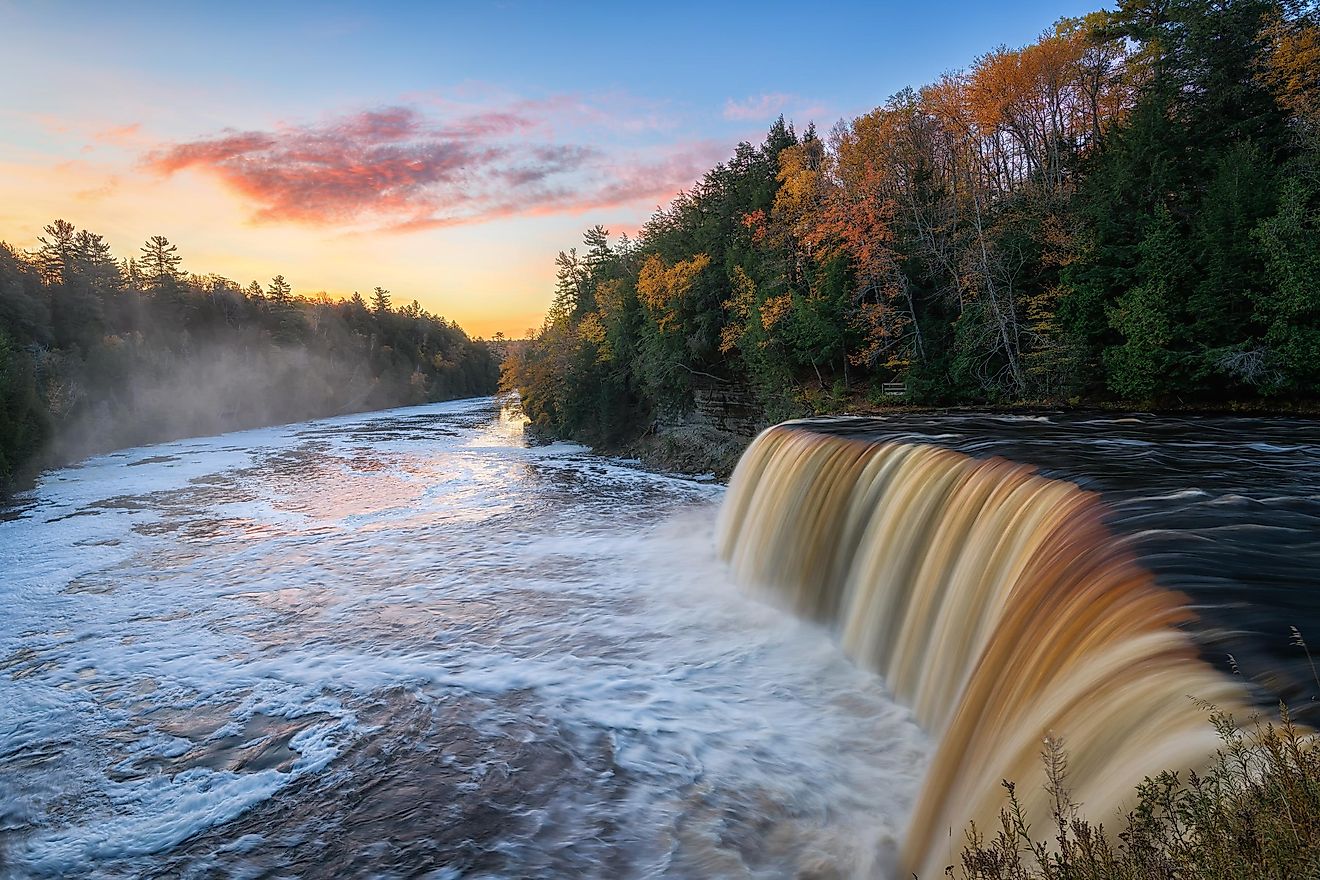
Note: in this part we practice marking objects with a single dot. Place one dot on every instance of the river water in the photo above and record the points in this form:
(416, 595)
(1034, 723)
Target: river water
(405, 644)
(1225, 510)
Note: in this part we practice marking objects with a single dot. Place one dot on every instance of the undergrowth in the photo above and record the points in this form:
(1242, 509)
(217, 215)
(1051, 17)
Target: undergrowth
(1253, 813)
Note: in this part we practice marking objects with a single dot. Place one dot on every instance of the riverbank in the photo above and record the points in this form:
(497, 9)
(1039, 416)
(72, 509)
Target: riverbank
(694, 446)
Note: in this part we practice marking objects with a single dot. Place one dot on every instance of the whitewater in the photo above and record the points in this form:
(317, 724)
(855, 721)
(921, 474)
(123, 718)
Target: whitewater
(410, 644)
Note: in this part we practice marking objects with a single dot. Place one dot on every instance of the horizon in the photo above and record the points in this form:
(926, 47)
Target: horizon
(446, 155)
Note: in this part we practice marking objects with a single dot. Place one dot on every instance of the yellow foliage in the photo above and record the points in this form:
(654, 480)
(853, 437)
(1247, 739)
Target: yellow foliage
(775, 309)
(800, 176)
(663, 290)
(1292, 68)
(882, 328)
(609, 298)
(592, 329)
(739, 307)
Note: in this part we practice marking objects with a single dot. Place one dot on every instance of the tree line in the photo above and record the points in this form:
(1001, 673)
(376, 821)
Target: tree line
(98, 353)
(1127, 209)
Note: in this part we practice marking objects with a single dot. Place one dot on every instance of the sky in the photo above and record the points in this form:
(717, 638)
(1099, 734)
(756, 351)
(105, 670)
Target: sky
(444, 151)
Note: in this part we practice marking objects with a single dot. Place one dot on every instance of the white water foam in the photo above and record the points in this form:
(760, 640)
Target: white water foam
(203, 639)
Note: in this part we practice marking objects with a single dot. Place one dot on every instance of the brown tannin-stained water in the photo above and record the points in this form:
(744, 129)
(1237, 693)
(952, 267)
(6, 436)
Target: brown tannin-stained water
(1007, 604)
(405, 644)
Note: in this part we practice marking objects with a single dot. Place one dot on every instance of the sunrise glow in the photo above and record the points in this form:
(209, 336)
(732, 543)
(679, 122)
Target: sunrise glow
(445, 154)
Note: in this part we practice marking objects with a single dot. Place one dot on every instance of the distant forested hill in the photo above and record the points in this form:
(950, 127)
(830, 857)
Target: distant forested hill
(98, 353)
(1127, 210)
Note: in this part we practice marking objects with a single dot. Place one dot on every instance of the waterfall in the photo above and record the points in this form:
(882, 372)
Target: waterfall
(996, 603)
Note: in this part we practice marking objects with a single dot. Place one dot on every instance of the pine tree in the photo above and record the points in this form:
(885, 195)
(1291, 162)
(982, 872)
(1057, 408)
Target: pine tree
(279, 292)
(1190, 173)
(96, 264)
(57, 257)
(160, 262)
(380, 301)
(597, 240)
(570, 287)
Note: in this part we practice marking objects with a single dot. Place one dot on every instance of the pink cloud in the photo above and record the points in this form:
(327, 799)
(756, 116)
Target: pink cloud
(758, 108)
(764, 108)
(641, 182)
(398, 168)
(611, 111)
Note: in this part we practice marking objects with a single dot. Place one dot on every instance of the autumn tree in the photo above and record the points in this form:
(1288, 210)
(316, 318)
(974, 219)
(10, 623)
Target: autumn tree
(1123, 208)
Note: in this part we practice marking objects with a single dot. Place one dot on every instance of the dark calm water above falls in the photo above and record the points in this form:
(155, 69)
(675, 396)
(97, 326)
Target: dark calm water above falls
(405, 645)
(1223, 509)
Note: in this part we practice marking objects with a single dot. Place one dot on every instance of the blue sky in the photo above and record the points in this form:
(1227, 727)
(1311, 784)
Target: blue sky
(443, 150)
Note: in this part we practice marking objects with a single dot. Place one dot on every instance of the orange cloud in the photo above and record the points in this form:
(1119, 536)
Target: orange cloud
(399, 169)
(120, 135)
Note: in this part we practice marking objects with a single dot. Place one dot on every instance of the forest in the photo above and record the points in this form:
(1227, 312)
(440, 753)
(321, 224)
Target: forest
(99, 353)
(1124, 212)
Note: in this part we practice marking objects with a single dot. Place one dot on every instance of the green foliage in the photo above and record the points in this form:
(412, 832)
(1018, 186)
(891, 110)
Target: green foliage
(24, 421)
(1289, 308)
(1170, 285)
(94, 356)
(1138, 367)
(1125, 210)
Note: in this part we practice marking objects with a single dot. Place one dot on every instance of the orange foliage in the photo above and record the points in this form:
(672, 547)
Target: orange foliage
(1293, 67)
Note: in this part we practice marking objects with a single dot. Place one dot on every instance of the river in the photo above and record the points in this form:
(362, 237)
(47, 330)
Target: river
(410, 644)
(407, 644)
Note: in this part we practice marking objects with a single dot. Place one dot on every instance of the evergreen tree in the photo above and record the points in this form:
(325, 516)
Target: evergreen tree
(160, 262)
(57, 256)
(96, 354)
(1188, 177)
(279, 292)
(96, 264)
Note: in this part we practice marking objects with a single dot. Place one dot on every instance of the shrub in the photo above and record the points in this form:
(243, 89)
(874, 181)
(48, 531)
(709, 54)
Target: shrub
(1254, 812)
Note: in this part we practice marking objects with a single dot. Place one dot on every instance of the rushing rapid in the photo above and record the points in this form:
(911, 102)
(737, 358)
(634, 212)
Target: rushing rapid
(407, 644)
(1010, 606)
(404, 644)
(993, 601)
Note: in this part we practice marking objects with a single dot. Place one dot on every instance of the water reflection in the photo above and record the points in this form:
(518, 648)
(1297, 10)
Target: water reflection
(405, 644)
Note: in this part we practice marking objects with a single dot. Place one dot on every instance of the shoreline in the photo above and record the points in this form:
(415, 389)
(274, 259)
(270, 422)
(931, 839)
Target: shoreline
(696, 447)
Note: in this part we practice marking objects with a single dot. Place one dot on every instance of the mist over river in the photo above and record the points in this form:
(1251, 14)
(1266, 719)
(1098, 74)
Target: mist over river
(404, 644)
(408, 644)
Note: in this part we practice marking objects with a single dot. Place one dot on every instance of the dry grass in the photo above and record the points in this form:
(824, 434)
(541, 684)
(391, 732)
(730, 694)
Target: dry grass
(1255, 813)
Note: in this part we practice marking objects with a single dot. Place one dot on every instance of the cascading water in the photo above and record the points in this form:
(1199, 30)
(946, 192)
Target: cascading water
(996, 603)
(407, 643)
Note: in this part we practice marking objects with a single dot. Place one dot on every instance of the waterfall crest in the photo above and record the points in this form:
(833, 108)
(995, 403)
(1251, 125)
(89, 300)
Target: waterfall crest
(996, 603)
